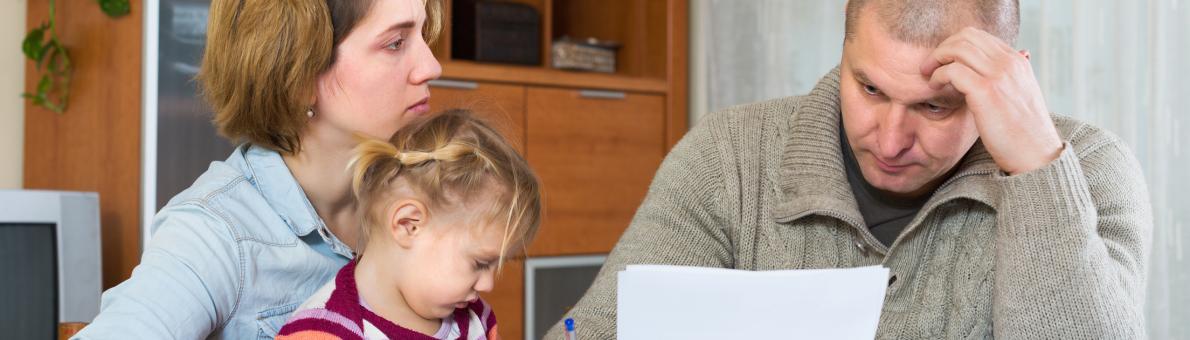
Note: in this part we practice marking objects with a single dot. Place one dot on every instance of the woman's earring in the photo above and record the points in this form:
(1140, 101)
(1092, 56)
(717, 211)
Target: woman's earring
(310, 113)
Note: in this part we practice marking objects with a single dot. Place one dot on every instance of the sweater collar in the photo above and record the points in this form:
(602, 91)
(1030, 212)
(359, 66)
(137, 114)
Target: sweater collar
(345, 301)
(813, 177)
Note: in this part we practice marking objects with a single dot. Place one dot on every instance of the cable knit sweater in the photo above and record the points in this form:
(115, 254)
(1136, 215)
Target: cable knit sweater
(1056, 253)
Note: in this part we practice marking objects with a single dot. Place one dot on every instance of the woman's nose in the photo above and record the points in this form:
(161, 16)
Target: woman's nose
(427, 67)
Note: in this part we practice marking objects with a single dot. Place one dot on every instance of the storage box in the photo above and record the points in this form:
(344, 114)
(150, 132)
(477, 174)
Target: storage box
(494, 31)
(590, 55)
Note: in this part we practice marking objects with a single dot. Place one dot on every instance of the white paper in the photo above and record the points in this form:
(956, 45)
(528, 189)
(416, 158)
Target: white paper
(672, 302)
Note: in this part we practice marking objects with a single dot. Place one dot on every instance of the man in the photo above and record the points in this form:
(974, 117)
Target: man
(930, 151)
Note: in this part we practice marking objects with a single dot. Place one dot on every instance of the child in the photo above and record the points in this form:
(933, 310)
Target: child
(445, 201)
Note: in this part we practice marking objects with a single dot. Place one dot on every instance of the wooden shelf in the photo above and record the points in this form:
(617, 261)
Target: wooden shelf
(595, 153)
(537, 75)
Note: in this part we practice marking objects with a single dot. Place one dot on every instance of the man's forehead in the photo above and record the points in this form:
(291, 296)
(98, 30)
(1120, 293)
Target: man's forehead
(873, 46)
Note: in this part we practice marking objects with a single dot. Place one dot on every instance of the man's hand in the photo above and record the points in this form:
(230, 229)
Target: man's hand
(1002, 94)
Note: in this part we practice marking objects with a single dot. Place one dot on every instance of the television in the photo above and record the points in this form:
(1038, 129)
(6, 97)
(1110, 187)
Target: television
(553, 285)
(49, 261)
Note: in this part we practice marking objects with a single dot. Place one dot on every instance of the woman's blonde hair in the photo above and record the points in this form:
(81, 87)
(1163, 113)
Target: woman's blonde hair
(449, 158)
(263, 57)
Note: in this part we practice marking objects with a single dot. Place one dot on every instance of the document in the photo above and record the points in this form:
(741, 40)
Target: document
(674, 302)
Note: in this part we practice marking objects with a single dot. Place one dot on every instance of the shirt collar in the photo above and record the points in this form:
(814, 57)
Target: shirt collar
(268, 172)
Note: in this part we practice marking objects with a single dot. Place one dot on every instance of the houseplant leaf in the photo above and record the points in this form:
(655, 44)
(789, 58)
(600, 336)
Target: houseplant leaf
(115, 8)
(32, 46)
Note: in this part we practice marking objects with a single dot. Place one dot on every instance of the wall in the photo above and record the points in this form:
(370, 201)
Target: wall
(95, 145)
(12, 83)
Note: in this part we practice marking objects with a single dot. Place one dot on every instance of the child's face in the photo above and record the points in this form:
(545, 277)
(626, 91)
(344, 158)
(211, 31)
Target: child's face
(451, 263)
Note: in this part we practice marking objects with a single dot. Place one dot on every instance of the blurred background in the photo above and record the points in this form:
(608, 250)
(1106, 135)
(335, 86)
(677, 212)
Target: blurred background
(597, 83)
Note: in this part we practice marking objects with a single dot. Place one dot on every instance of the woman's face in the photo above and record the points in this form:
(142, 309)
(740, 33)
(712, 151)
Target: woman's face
(379, 81)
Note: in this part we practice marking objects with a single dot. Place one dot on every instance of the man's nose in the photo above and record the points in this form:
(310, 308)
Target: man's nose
(895, 136)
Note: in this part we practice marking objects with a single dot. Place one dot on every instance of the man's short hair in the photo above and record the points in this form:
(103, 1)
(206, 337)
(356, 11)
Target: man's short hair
(927, 23)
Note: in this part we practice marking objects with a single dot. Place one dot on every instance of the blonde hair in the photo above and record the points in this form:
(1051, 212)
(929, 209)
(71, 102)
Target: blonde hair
(263, 57)
(450, 155)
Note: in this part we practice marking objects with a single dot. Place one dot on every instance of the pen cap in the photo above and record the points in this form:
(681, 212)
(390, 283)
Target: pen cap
(569, 324)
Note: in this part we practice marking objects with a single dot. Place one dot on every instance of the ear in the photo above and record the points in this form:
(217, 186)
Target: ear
(407, 220)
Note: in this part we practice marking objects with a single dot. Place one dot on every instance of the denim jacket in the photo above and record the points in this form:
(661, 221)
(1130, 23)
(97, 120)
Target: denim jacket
(230, 258)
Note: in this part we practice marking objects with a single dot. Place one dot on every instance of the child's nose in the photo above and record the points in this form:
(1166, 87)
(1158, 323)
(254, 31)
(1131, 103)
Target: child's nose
(485, 283)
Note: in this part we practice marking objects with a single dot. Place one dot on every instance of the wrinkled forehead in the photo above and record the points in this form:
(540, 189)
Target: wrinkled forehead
(873, 57)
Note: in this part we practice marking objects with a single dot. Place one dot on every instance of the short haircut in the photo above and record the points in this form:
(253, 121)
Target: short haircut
(927, 23)
(263, 58)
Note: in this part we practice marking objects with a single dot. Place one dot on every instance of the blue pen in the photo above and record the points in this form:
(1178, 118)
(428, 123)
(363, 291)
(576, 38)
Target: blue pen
(570, 333)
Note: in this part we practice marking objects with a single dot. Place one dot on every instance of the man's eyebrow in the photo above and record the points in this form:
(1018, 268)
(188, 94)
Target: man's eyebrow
(950, 101)
(947, 100)
(862, 77)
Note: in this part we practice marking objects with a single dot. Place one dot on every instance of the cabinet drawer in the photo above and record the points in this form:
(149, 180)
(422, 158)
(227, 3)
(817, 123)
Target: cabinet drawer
(502, 105)
(596, 153)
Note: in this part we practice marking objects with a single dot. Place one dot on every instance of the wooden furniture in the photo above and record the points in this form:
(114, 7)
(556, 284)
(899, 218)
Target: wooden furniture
(69, 329)
(96, 144)
(594, 139)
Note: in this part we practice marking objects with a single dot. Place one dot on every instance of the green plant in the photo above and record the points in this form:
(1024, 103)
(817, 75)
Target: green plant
(53, 61)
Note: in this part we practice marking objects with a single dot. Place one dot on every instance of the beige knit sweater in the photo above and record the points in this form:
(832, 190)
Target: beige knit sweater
(1057, 253)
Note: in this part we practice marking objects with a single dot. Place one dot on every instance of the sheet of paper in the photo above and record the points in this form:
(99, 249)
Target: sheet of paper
(672, 302)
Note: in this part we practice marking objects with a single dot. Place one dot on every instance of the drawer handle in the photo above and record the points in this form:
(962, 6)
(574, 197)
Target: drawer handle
(596, 94)
(454, 84)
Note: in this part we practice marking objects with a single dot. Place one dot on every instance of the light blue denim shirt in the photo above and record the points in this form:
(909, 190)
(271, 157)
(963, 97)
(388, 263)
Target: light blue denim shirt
(230, 258)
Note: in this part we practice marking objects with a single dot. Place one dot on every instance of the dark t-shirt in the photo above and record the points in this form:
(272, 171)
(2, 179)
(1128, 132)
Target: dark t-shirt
(885, 216)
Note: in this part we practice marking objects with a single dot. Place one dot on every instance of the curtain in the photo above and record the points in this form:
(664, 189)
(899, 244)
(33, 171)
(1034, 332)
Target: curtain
(1120, 65)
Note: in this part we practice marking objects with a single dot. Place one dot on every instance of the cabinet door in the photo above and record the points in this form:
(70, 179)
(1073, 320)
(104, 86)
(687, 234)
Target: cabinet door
(502, 105)
(508, 299)
(596, 153)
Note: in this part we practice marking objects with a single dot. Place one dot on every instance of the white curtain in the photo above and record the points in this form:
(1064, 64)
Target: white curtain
(1121, 65)
(746, 51)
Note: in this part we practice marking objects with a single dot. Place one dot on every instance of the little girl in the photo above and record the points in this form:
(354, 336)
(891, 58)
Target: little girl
(446, 201)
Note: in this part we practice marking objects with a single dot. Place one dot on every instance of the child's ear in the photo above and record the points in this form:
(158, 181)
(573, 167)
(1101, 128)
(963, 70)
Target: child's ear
(407, 222)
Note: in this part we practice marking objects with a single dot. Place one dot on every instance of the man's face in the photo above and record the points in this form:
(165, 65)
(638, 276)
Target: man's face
(905, 136)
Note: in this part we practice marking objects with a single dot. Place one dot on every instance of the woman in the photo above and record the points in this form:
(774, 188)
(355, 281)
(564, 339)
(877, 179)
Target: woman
(255, 235)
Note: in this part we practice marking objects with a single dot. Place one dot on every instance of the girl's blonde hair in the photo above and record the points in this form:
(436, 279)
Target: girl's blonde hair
(450, 157)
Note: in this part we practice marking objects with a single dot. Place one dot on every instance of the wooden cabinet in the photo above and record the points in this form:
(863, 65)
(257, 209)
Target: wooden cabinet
(596, 153)
(508, 299)
(594, 139)
(501, 104)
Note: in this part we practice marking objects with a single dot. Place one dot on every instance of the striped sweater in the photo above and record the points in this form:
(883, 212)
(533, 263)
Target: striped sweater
(337, 312)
